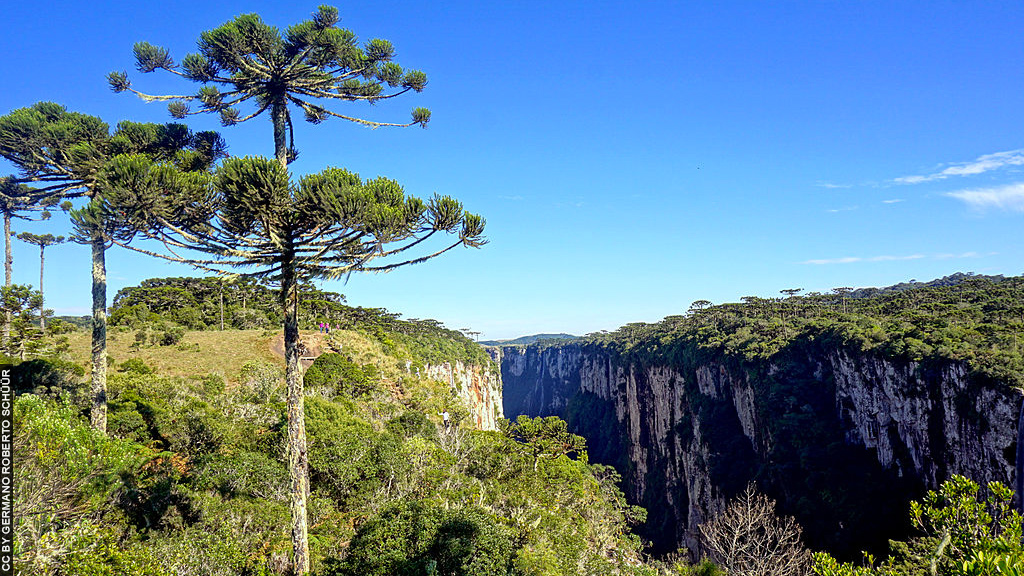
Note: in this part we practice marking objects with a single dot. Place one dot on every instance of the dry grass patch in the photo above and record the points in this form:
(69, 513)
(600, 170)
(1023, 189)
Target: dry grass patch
(224, 353)
(198, 353)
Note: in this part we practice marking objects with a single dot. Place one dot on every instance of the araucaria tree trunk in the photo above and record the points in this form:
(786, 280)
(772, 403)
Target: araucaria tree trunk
(279, 116)
(222, 305)
(8, 261)
(99, 333)
(298, 461)
(8, 257)
(42, 307)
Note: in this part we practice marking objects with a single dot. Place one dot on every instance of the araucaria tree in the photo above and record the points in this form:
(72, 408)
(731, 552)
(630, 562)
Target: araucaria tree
(64, 154)
(311, 64)
(252, 217)
(328, 225)
(18, 302)
(15, 202)
(42, 241)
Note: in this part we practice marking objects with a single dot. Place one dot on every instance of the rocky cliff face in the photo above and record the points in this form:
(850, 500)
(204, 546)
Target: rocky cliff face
(478, 386)
(842, 440)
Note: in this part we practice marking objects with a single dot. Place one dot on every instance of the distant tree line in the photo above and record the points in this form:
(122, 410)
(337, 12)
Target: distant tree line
(973, 319)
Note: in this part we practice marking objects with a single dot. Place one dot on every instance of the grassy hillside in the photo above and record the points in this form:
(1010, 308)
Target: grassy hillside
(198, 352)
(174, 326)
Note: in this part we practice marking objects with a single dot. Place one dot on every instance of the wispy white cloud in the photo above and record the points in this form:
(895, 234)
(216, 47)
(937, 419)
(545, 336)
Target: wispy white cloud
(844, 209)
(1009, 197)
(847, 260)
(982, 164)
(891, 258)
(832, 185)
(964, 255)
(852, 259)
(892, 201)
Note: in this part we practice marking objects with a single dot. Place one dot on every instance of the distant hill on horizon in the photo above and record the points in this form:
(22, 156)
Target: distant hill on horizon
(951, 280)
(524, 340)
(78, 321)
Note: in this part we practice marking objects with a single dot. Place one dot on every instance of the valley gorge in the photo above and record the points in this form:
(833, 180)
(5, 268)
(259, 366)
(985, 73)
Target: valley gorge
(843, 439)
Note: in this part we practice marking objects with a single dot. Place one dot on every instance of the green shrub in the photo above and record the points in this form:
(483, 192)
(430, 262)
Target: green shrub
(262, 381)
(124, 420)
(100, 553)
(135, 366)
(141, 337)
(471, 542)
(172, 336)
(249, 319)
(196, 430)
(245, 473)
(395, 543)
(223, 548)
(49, 377)
(412, 423)
(67, 472)
(347, 456)
(342, 374)
(213, 384)
(414, 538)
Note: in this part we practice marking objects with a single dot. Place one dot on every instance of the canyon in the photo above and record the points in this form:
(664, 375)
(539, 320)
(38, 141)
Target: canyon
(842, 439)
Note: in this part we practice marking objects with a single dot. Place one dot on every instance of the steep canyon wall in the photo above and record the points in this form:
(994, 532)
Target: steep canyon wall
(479, 387)
(842, 440)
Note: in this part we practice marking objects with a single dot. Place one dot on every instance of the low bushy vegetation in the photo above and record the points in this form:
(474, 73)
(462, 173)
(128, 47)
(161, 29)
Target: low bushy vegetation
(191, 479)
(191, 476)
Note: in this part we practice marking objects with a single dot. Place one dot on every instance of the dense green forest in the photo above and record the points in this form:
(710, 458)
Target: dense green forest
(974, 319)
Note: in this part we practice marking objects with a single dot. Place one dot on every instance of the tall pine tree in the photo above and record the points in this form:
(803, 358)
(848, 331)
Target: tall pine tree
(43, 241)
(310, 66)
(251, 220)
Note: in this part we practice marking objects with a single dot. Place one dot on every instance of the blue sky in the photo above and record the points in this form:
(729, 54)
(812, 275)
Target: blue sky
(630, 158)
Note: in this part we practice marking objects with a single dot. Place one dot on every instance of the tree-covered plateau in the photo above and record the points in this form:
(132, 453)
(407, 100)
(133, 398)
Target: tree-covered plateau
(978, 320)
(777, 344)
